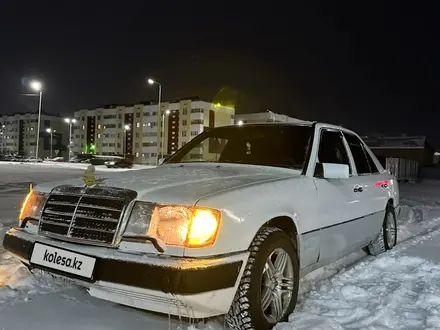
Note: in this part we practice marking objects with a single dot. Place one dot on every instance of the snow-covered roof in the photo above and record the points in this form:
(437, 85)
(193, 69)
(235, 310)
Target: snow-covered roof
(403, 142)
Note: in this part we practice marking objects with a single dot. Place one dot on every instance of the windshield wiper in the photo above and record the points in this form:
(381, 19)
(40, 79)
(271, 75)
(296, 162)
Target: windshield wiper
(29, 219)
(143, 239)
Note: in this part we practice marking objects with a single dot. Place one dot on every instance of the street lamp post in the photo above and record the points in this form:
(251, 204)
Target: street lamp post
(124, 140)
(153, 82)
(70, 122)
(51, 131)
(38, 87)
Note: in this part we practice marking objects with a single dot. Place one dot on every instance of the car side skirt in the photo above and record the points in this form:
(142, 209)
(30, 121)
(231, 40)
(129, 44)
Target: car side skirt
(333, 243)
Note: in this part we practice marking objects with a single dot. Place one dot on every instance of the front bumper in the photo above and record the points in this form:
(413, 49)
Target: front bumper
(181, 286)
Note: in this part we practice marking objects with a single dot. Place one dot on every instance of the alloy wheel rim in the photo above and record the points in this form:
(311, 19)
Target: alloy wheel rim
(276, 285)
(390, 230)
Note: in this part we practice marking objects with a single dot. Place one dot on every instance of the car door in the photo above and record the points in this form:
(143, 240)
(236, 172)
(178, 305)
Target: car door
(372, 189)
(340, 204)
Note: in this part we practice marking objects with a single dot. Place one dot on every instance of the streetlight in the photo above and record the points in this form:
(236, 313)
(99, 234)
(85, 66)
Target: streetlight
(153, 82)
(70, 122)
(126, 128)
(38, 87)
(51, 131)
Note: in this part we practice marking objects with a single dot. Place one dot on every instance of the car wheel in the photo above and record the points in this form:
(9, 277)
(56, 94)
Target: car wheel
(387, 239)
(268, 289)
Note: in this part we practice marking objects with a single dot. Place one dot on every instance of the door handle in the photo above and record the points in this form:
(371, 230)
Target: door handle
(358, 189)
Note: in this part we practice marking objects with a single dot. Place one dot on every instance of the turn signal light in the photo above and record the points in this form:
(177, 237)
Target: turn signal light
(203, 228)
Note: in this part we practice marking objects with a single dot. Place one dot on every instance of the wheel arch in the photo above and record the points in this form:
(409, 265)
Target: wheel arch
(286, 224)
(390, 202)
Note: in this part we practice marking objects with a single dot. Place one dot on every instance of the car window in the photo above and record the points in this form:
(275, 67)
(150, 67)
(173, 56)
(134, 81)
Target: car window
(332, 149)
(359, 156)
(371, 162)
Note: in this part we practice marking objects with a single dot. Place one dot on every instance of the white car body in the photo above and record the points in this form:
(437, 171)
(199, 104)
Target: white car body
(327, 219)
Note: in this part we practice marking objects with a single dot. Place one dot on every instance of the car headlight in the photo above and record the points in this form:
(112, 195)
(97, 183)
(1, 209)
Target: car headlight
(32, 206)
(176, 225)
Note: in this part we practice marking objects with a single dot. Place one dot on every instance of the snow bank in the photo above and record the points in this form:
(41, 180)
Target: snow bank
(393, 291)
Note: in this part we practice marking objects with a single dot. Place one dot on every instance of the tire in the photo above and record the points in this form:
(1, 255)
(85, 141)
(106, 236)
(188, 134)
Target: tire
(246, 311)
(387, 239)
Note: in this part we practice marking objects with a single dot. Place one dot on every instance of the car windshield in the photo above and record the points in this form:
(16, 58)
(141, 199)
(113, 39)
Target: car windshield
(267, 145)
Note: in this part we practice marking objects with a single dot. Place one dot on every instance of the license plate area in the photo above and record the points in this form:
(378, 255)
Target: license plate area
(63, 261)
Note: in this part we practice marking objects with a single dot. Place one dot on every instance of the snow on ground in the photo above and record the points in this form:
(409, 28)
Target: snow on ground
(397, 290)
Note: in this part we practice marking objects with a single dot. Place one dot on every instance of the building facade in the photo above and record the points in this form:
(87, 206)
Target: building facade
(265, 117)
(18, 135)
(144, 132)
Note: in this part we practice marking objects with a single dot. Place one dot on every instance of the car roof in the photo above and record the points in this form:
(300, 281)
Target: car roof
(301, 123)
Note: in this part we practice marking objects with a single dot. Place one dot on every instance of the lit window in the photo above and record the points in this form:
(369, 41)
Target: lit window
(138, 124)
(99, 135)
(137, 154)
(99, 126)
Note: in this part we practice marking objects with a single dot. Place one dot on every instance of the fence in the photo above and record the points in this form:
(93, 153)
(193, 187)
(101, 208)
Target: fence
(403, 169)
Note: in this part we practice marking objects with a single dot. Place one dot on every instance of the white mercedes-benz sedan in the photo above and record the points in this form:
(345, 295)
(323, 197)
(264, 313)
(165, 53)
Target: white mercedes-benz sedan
(226, 225)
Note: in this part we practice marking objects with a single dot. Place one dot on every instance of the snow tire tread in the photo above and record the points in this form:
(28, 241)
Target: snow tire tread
(239, 315)
(378, 246)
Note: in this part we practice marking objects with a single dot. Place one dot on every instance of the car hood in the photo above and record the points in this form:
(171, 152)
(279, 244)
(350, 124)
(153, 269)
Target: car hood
(183, 183)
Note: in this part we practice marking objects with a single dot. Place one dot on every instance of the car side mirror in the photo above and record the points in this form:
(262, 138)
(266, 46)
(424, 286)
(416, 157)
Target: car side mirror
(162, 160)
(332, 171)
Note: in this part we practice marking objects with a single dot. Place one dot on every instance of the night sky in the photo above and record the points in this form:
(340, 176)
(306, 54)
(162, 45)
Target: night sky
(371, 66)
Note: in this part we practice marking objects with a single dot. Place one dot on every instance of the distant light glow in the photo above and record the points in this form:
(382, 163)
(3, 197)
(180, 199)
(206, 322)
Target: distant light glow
(240, 123)
(127, 127)
(48, 130)
(167, 112)
(36, 85)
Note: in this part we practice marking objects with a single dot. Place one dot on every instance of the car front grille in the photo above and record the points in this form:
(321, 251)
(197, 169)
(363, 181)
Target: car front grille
(88, 215)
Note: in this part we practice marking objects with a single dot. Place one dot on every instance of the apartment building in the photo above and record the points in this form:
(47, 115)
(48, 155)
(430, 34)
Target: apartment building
(18, 135)
(143, 131)
(265, 117)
